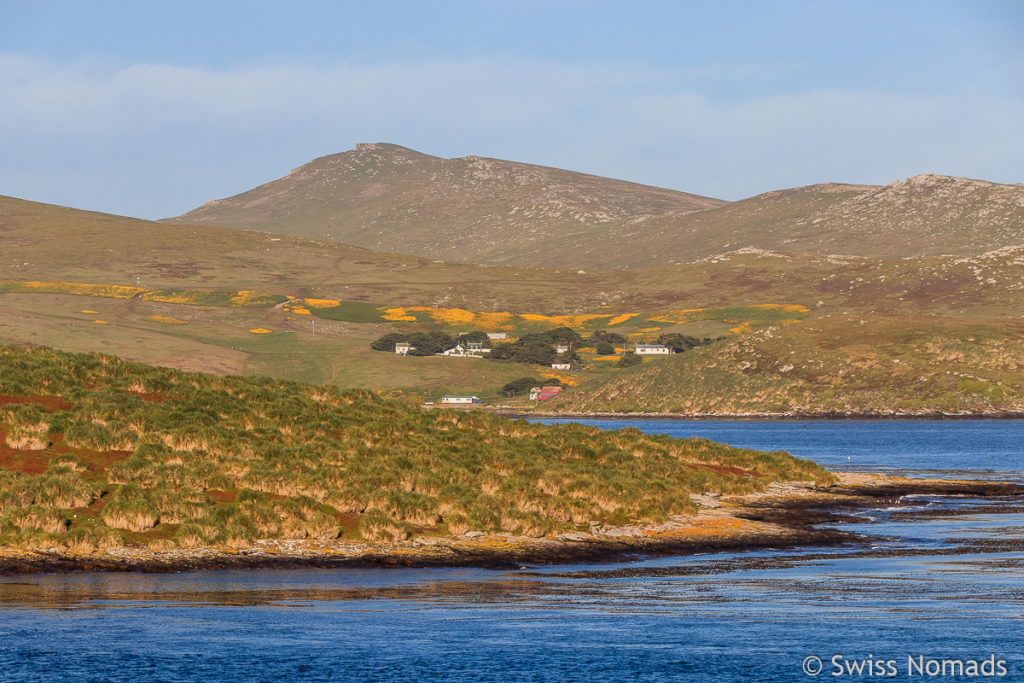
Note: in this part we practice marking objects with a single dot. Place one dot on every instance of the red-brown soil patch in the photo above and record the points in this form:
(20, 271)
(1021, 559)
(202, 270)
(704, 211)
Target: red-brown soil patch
(48, 402)
(36, 462)
(27, 462)
(223, 496)
(96, 461)
(346, 521)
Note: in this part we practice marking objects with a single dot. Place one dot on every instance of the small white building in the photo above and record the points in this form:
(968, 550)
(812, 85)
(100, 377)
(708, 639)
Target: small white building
(403, 348)
(562, 348)
(652, 350)
(459, 400)
(461, 351)
(497, 336)
(560, 366)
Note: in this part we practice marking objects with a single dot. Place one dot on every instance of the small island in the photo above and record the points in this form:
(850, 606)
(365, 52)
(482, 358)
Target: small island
(107, 464)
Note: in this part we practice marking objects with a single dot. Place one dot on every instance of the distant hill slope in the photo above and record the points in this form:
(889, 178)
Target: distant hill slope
(927, 215)
(389, 198)
(46, 242)
(475, 210)
(214, 298)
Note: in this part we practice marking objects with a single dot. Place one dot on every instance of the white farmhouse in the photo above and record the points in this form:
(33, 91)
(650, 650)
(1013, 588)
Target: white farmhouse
(402, 348)
(561, 366)
(652, 350)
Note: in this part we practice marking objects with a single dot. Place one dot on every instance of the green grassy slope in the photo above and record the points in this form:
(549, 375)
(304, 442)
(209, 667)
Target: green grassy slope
(96, 452)
(70, 279)
(848, 364)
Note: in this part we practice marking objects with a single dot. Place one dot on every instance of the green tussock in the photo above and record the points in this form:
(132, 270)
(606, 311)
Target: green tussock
(206, 460)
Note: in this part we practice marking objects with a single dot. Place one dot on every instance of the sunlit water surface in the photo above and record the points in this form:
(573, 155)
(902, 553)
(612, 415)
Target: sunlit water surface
(936, 578)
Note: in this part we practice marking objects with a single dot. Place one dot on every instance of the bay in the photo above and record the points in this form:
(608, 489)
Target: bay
(936, 579)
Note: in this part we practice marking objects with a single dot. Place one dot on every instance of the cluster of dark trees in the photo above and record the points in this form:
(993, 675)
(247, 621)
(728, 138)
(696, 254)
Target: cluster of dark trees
(605, 341)
(677, 342)
(682, 342)
(540, 348)
(428, 343)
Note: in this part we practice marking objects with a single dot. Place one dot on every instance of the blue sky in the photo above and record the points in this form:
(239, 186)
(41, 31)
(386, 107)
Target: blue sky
(151, 108)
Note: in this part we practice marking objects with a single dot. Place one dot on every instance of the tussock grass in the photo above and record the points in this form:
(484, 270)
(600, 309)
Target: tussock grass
(27, 428)
(233, 459)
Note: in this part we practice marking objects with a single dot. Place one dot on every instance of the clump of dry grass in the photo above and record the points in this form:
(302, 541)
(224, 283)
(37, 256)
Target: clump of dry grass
(28, 429)
(44, 518)
(381, 528)
(130, 509)
(86, 538)
(67, 461)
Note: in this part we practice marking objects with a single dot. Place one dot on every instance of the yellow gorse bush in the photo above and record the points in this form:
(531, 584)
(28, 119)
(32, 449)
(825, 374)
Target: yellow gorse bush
(494, 321)
(567, 380)
(397, 315)
(742, 328)
(79, 288)
(172, 298)
(564, 320)
(166, 320)
(679, 316)
(621, 318)
(491, 321)
(319, 303)
(248, 297)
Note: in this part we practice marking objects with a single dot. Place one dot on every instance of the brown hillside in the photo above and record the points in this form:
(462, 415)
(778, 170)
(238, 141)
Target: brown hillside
(389, 198)
(927, 215)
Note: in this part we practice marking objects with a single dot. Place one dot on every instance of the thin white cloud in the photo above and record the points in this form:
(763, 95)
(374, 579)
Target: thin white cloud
(154, 140)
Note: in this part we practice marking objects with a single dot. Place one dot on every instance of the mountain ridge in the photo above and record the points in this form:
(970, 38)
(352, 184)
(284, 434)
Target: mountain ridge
(475, 209)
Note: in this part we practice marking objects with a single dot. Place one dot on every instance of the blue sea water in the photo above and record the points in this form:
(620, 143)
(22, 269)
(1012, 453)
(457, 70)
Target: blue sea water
(908, 596)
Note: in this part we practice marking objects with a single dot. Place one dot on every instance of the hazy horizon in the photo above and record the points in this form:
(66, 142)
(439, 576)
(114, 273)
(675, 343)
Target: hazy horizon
(151, 110)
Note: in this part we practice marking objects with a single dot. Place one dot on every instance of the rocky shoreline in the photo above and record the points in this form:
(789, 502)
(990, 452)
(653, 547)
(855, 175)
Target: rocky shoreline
(785, 515)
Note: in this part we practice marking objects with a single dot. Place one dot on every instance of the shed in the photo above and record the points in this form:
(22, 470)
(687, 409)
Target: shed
(459, 400)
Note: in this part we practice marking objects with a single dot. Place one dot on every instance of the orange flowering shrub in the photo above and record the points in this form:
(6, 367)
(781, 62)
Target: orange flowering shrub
(166, 320)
